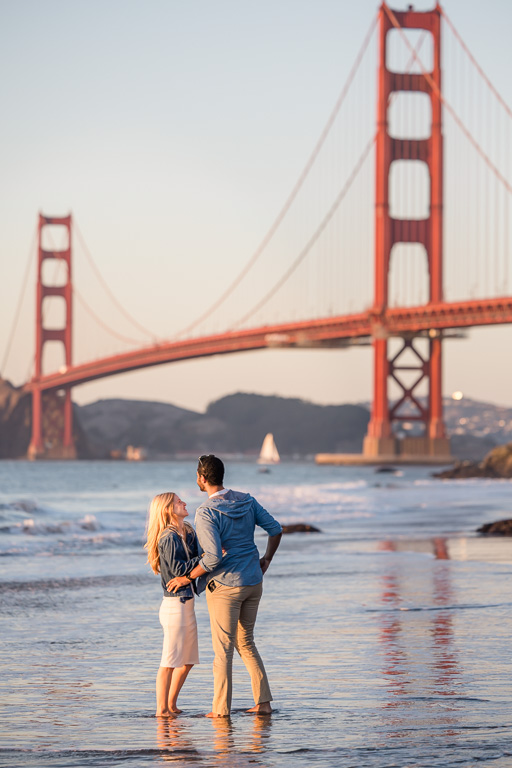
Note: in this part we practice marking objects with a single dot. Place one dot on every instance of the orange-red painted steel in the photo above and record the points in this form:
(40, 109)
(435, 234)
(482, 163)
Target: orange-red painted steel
(390, 231)
(378, 323)
(394, 322)
(45, 335)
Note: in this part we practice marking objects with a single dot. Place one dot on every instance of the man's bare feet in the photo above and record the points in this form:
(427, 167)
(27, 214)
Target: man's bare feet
(261, 709)
(214, 714)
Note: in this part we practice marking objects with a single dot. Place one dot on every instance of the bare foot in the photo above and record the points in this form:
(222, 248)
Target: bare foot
(261, 709)
(163, 713)
(175, 711)
(214, 714)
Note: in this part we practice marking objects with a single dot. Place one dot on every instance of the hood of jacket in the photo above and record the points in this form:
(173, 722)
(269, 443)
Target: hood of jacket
(231, 503)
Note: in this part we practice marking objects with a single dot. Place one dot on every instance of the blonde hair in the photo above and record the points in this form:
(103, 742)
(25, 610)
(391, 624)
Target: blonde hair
(161, 518)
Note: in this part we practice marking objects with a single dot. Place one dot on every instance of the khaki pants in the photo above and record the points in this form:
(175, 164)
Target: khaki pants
(233, 613)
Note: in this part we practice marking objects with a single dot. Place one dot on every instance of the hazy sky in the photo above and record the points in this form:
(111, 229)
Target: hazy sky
(174, 131)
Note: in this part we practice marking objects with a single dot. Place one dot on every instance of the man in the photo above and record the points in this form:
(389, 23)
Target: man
(232, 571)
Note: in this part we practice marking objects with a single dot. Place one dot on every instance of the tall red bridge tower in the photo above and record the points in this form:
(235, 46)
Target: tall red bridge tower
(411, 360)
(52, 417)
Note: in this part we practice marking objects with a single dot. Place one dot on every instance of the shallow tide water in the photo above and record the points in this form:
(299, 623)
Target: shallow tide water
(386, 636)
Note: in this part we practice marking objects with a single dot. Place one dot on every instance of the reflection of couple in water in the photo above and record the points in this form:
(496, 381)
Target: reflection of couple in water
(223, 560)
(232, 749)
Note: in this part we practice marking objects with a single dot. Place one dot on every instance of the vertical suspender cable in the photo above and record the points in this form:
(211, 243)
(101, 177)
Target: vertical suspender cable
(20, 302)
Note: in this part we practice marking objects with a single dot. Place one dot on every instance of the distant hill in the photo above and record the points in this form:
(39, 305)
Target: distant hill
(299, 427)
(112, 425)
(237, 424)
(234, 424)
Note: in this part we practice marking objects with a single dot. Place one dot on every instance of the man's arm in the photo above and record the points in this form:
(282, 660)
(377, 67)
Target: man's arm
(209, 540)
(274, 530)
(181, 581)
(272, 545)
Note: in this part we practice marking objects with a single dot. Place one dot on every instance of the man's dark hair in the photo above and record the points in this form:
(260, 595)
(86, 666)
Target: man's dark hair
(212, 468)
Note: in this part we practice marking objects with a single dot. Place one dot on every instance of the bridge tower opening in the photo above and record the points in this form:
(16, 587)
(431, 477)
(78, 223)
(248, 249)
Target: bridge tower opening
(52, 415)
(424, 367)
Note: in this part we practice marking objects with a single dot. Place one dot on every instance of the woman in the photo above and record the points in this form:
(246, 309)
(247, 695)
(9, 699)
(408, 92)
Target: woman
(172, 551)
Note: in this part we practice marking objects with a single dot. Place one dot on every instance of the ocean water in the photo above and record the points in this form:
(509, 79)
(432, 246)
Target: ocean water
(386, 636)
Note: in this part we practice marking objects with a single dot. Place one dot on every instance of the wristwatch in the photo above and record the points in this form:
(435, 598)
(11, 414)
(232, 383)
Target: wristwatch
(189, 577)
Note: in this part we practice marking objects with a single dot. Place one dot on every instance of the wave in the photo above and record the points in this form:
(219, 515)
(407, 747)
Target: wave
(88, 523)
(13, 510)
(45, 585)
(34, 527)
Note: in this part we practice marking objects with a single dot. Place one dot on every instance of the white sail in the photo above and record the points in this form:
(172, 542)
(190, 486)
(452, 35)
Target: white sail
(269, 453)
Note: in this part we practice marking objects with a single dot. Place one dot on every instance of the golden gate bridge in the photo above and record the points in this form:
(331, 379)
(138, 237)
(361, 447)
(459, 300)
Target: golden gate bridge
(396, 234)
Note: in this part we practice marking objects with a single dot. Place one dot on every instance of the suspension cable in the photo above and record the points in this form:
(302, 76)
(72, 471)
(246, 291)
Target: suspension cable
(430, 80)
(327, 217)
(100, 322)
(300, 181)
(475, 63)
(20, 302)
(106, 288)
(332, 210)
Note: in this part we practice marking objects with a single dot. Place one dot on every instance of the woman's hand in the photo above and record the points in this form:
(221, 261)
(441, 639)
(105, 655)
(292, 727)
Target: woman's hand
(179, 581)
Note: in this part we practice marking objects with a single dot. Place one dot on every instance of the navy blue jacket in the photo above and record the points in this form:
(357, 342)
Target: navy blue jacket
(174, 560)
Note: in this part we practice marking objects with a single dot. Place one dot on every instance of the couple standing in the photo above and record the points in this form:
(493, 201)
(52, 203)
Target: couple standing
(223, 559)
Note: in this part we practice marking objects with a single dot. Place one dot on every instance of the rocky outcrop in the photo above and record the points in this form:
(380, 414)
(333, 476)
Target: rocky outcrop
(16, 424)
(300, 528)
(15, 421)
(497, 464)
(499, 528)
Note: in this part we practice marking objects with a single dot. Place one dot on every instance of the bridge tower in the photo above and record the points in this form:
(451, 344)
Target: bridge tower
(52, 416)
(380, 440)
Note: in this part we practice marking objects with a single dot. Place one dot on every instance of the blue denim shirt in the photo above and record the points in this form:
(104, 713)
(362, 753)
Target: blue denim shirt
(175, 562)
(228, 522)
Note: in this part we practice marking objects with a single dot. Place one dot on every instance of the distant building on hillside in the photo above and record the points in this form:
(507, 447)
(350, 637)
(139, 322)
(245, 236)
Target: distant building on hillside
(135, 454)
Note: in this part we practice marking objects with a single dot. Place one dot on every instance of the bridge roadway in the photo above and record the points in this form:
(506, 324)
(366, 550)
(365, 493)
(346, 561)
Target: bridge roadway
(333, 331)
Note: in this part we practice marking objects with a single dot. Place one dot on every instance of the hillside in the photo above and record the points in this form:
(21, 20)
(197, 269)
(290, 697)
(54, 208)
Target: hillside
(233, 424)
(299, 427)
(16, 424)
(237, 424)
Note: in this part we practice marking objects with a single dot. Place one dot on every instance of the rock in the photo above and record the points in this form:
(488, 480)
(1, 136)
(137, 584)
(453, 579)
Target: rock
(464, 469)
(499, 460)
(300, 528)
(497, 463)
(499, 528)
(16, 424)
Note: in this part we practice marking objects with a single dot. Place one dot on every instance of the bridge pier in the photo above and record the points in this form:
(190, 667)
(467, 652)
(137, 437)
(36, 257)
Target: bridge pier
(412, 449)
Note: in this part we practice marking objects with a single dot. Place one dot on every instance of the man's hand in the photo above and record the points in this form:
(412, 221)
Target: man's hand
(179, 581)
(264, 564)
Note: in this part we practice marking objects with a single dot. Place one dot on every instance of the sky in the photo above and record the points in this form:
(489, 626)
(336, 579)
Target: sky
(174, 131)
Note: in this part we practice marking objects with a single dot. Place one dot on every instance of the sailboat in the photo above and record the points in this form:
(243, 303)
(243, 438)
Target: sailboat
(269, 453)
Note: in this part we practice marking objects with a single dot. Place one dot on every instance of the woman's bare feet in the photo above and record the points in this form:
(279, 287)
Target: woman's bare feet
(175, 711)
(261, 709)
(163, 713)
